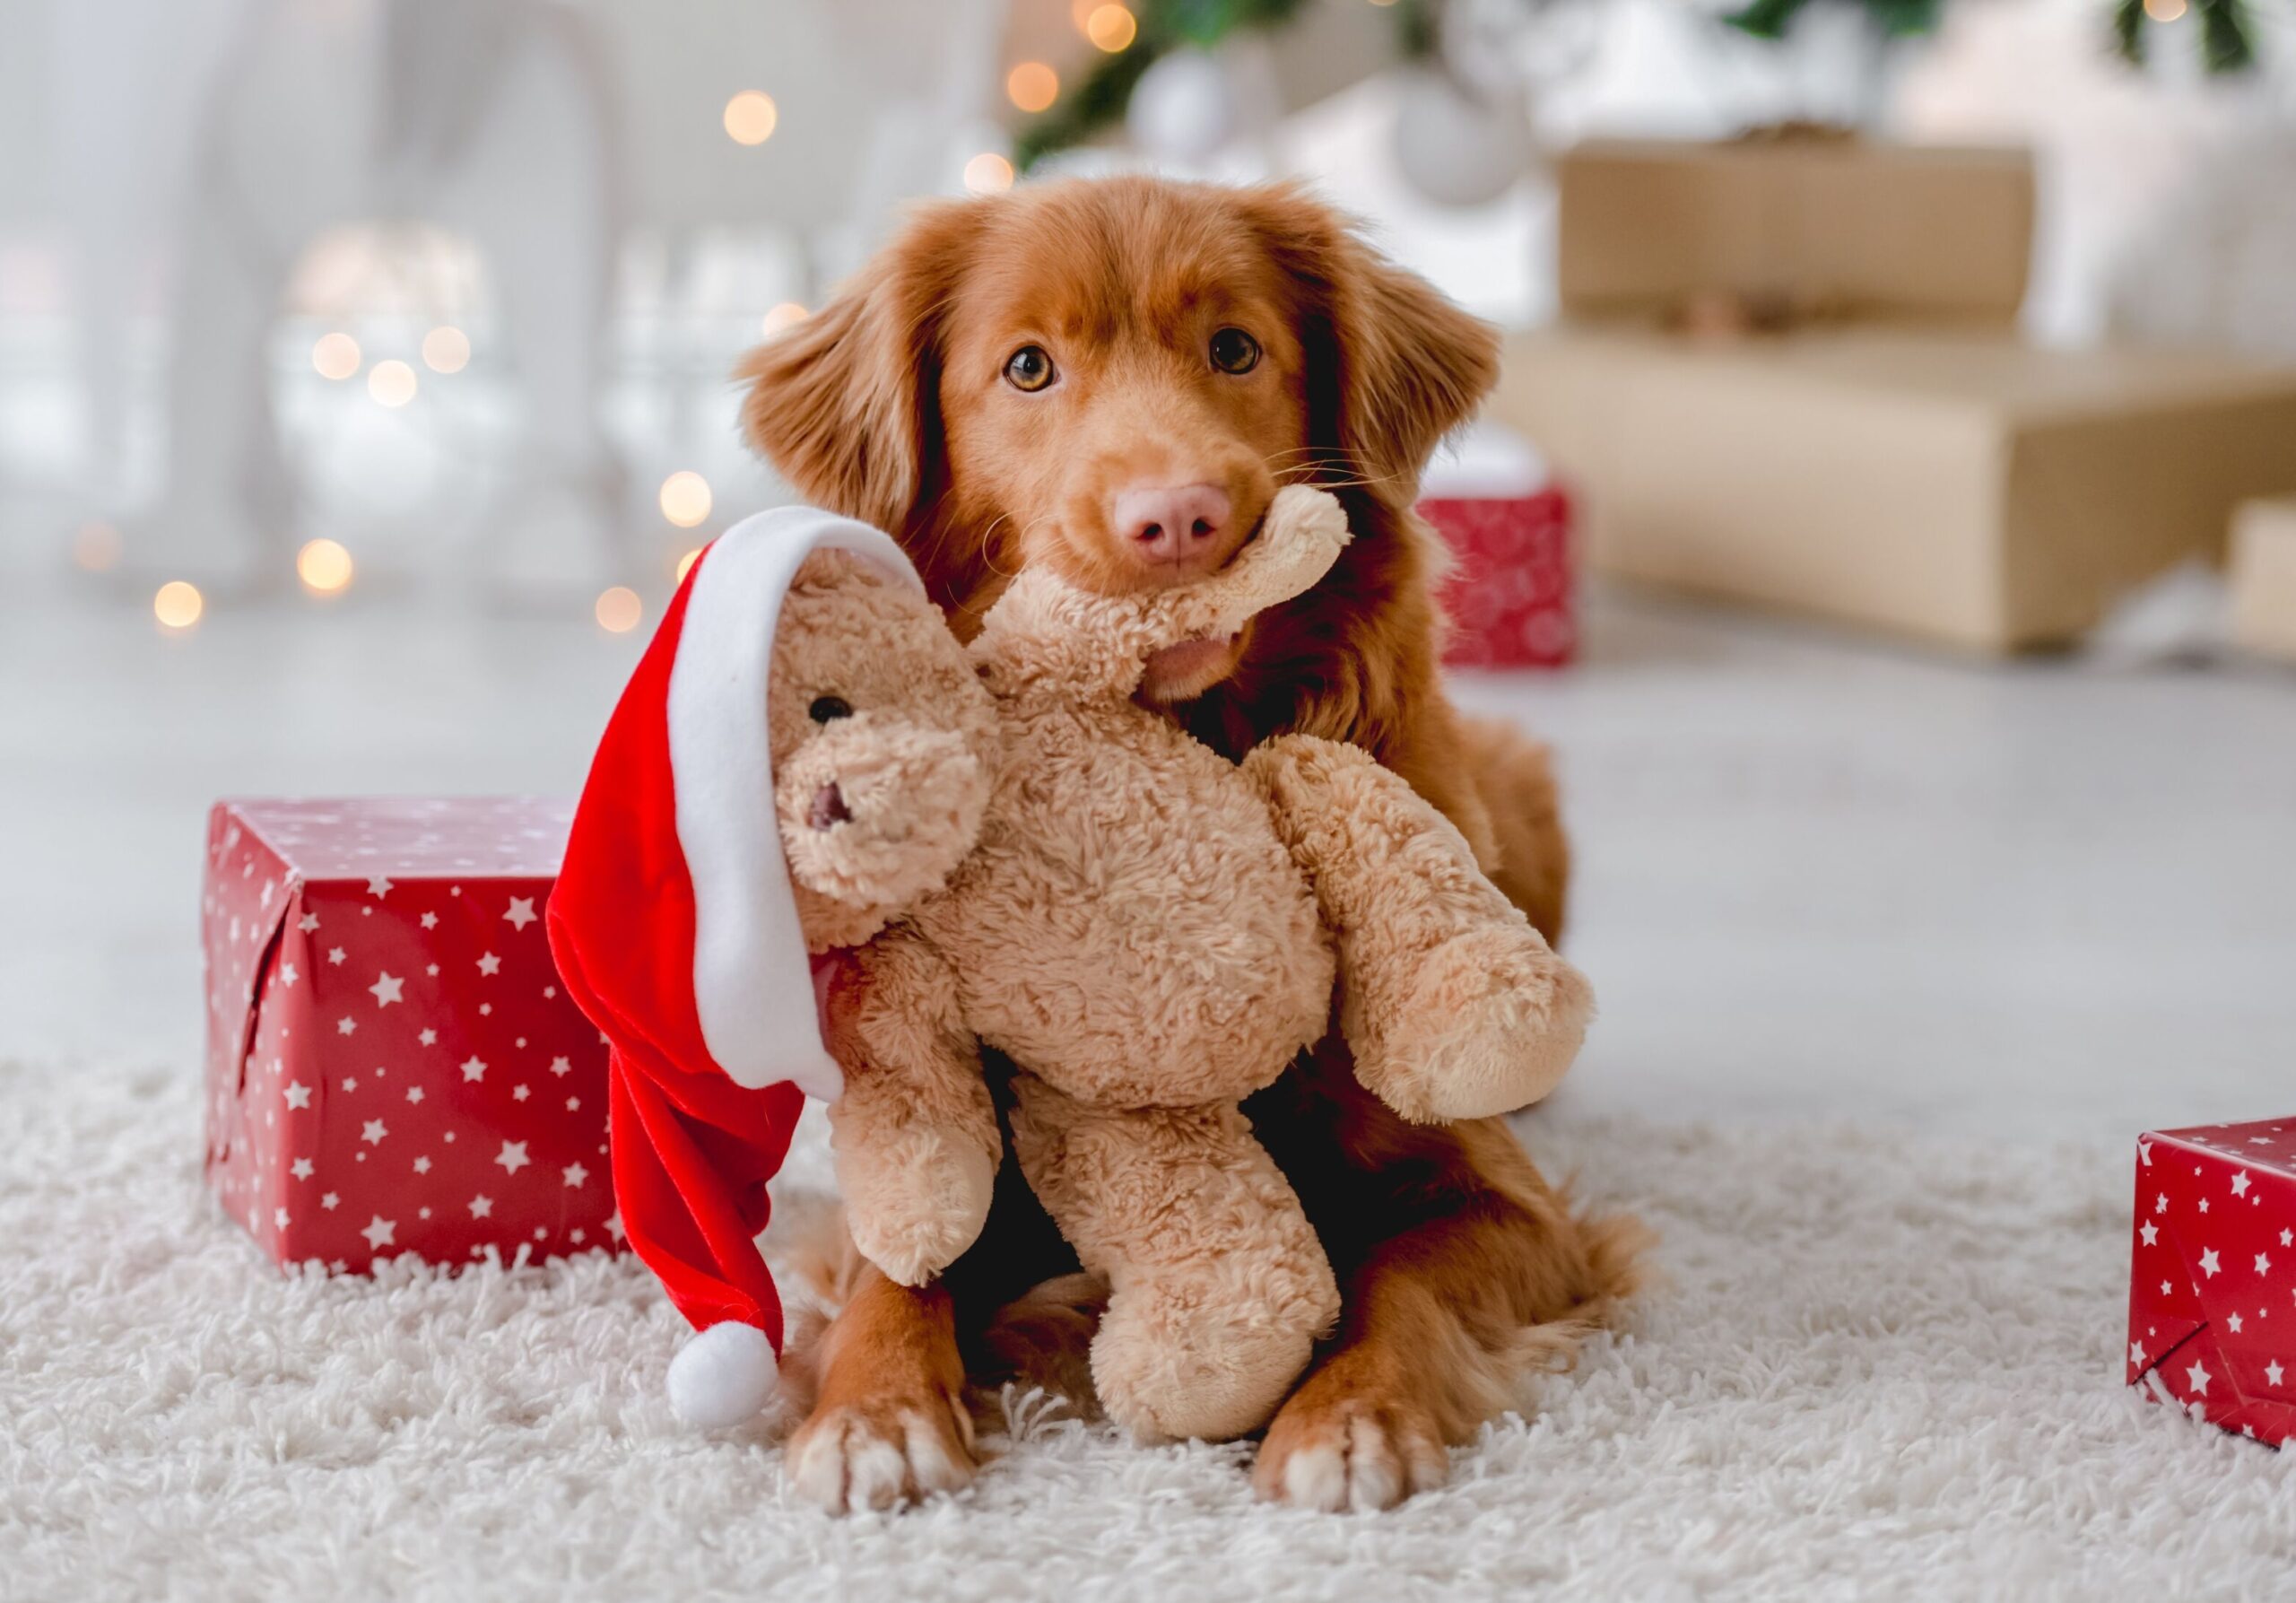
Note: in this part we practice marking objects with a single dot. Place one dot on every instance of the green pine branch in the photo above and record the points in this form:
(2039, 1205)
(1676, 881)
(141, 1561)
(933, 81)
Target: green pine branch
(2227, 34)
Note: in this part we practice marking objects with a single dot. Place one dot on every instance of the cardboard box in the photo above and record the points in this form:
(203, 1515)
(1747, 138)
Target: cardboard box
(2262, 574)
(1965, 489)
(2212, 1302)
(1833, 225)
(393, 1066)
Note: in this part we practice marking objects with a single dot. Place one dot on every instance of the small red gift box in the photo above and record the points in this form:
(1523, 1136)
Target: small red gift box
(2212, 1302)
(1509, 594)
(393, 1066)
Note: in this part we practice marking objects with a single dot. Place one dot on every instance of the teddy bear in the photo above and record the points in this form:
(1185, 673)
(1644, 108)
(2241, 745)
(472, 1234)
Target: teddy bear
(998, 845)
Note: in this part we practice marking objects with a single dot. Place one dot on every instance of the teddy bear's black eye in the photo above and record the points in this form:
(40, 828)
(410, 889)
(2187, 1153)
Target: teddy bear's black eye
(827, 708)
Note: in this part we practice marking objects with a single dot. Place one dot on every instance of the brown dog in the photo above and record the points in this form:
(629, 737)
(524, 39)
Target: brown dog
(1114, 377)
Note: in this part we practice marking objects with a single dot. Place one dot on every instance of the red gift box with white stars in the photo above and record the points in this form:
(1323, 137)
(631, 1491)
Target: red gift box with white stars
(393, 1066)
(2212, 1304)
(1510, 595)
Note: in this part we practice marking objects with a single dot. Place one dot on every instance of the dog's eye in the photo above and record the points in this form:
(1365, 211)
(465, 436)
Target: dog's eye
(1029, 368)
(1234, 351)
(828, 708)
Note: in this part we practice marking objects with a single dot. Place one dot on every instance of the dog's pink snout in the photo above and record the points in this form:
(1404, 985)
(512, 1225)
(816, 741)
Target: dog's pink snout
(1171, 523)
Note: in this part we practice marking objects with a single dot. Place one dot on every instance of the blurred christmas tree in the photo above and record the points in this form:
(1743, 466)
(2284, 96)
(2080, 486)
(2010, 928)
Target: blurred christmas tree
(2227, 30)
(1162, 27)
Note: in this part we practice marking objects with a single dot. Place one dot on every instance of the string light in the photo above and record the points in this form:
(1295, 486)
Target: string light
(1111, 27)
(324, 567)
(392, 382)
(177, 605)
(686, 562)
(335, 356)
(446, 350)
(988, 173)
(619, 609)
(2164, 11)
(1033, 86)
(751, 117)
(95, 546)
(788, 315)
(685, 497)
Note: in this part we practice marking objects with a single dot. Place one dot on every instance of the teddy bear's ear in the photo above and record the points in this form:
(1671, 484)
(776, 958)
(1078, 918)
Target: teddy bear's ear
(844, 404)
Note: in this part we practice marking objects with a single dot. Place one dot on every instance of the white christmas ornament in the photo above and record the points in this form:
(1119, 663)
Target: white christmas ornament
(1459, 150)
(1184, 108)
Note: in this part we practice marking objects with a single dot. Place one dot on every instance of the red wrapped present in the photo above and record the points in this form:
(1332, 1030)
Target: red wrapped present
(2211, 1304)
(393, 1065)
(1510, 595)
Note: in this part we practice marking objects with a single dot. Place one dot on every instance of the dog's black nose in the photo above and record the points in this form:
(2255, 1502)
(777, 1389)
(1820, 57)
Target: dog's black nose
(829, 808)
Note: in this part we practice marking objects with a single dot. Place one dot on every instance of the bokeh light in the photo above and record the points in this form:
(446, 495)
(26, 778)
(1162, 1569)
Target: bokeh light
(177, 605)
(751, 117)
(391, 382)
(619, 610)
(96, 546)
(685, 497)
(335, 356)
(988, 173)
(1033, 86)
(788, 315)
(686, 562)
(446, 350)
(324, 566)
(1111, 28)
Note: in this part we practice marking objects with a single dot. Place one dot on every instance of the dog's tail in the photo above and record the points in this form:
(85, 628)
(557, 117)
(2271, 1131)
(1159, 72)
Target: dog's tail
(1615, 1269)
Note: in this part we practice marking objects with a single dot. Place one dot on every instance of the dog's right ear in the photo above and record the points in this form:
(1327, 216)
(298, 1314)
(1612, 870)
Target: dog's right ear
(846, 403)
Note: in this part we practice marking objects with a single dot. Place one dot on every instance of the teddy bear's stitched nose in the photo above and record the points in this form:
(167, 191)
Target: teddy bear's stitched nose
(829, 808)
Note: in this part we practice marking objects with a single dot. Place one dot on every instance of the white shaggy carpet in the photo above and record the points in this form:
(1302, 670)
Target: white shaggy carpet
(1882, 1369)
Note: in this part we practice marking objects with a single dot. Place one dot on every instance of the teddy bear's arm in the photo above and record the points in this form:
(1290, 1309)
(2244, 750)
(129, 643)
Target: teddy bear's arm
(1044, 632)
(915, 1134)
(1453, 1006)
(1218, 1287)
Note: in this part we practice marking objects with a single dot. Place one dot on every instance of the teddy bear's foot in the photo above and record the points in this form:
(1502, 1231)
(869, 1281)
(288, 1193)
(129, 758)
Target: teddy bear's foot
(1490, 1023)
(1170, 1368)
(915, 1199)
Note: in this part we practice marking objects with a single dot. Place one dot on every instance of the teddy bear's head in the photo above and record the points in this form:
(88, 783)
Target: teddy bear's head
(885, 746)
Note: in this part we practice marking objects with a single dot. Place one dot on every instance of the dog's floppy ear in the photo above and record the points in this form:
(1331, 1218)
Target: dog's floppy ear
(1393, 365)
(844, 404)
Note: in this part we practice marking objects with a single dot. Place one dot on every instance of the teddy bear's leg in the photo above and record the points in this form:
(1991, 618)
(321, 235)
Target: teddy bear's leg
(1453, 1006)
(915, 1132)
(1218, 1287)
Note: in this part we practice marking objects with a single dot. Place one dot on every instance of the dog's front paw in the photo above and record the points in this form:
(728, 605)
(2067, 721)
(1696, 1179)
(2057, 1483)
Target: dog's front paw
(1344, 1454)
(877, 1452)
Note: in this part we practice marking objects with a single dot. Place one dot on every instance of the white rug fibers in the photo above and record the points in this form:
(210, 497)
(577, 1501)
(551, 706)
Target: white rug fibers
(1882, 1369)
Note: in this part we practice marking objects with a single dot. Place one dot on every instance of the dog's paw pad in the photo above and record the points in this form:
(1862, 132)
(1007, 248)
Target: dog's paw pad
(1349, 1458)
(876, 1456)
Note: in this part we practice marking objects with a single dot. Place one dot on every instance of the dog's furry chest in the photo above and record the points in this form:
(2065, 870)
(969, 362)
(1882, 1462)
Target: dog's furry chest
(1135, 933)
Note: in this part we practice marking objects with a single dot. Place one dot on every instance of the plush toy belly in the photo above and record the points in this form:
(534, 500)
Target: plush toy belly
(1152, 944)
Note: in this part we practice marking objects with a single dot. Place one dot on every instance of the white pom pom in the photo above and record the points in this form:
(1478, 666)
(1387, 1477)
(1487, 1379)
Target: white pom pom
(723, 1376)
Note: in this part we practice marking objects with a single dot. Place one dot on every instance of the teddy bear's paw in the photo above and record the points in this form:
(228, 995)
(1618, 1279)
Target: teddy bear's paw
(1492, 1022)
(878, 1452)
(1339, 1453)
(915, 1206)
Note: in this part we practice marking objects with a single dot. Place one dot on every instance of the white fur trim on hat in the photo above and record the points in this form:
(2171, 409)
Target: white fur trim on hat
(723, 1376)
(752, 985)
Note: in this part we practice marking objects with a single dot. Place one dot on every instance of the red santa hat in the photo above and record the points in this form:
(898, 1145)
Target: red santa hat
(675, 928)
